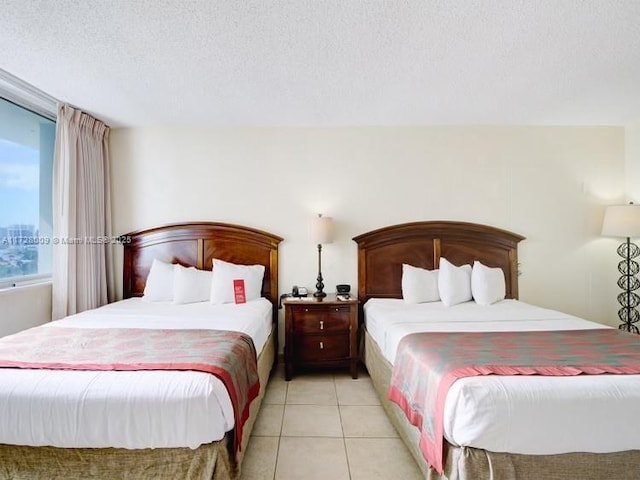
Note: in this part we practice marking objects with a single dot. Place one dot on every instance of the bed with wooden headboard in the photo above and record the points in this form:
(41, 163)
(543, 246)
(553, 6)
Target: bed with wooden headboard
(381, 254)
(189, 244)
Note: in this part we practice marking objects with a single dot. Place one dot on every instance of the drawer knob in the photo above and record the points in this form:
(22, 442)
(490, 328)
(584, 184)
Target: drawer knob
(337, 309)
(321, 346)
(321, 325)
(306, 309)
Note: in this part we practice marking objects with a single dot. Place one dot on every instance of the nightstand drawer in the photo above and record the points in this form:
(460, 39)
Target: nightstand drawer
(310, 348)
(320, 320)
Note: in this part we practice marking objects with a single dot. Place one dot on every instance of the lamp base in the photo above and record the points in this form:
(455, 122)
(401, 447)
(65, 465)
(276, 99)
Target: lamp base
(319, 287)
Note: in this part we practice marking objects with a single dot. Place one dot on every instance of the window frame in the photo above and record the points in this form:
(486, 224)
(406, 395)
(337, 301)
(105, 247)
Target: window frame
(24, 95)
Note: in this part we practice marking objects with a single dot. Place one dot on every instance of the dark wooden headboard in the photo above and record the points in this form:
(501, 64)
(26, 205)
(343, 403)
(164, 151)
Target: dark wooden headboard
(195, 245)
(382, 252)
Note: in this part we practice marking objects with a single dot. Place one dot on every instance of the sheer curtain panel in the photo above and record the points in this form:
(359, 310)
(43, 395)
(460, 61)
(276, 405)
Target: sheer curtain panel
(82, 251)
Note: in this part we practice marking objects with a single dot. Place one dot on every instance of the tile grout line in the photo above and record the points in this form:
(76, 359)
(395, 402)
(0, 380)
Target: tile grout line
(344, 441)
(284, 407)
(275, 466)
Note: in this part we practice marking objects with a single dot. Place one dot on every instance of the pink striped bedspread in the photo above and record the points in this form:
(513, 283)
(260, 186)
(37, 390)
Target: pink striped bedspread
(230, 356)
(428, 363)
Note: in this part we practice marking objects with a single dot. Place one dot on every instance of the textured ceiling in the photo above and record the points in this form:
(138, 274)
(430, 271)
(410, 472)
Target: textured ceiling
(331, 62)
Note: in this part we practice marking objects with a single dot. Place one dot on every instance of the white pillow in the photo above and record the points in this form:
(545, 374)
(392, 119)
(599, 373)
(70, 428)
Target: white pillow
(191, 285)
(419, 284)
(487, 284)
(159, 286)
(454, 283)
(224, 273)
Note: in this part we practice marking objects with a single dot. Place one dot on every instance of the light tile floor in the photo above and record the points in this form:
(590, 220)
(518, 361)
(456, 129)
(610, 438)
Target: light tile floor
(325, 426)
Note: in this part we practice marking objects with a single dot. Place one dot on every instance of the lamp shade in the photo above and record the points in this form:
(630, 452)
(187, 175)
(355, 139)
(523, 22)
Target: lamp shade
(322, 229)
(622, 221)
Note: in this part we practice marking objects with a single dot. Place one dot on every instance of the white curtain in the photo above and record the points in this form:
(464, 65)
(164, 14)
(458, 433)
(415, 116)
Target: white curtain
(82, 250)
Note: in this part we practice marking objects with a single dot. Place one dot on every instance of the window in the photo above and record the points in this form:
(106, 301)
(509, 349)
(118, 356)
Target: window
(26, 166)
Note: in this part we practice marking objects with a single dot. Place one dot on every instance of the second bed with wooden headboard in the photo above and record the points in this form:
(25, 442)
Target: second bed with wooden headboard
(585, 422)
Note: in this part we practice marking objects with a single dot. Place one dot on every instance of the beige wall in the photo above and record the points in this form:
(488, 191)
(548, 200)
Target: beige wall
(24, 307)
(632, 150)
(549, 184)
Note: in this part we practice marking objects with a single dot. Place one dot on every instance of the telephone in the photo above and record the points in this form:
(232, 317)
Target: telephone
(299, 291)
(296, 292)
(343, 291)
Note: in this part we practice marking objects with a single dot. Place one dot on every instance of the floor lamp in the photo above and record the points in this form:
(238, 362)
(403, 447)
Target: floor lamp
(322, 232)
(624, 221)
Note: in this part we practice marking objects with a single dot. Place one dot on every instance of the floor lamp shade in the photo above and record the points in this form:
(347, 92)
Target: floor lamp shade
(321, 232)
(624, 221)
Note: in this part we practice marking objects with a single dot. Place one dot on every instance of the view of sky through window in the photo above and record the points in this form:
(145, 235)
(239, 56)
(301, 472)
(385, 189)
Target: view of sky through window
(19, 184)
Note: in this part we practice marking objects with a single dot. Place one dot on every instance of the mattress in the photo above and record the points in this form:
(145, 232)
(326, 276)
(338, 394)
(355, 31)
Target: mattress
(519, 414)
(129, 409)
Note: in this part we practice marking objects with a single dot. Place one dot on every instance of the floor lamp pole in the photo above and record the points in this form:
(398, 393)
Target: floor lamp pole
(629, 300)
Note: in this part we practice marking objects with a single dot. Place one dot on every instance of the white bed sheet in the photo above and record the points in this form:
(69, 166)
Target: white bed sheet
(520, 414)
(150, 409)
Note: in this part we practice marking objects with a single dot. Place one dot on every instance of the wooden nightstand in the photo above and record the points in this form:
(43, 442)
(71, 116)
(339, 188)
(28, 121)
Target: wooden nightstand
(321, 333)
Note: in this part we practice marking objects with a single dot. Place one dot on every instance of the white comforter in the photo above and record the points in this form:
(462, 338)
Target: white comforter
(143, 409)
(518, 414)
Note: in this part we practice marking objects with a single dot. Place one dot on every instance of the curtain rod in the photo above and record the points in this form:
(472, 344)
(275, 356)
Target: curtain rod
(22, 93)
